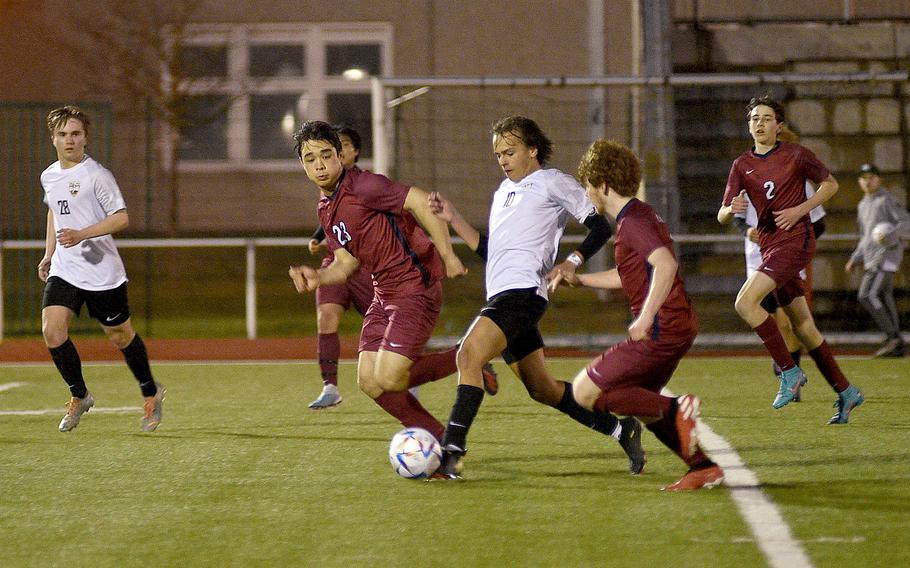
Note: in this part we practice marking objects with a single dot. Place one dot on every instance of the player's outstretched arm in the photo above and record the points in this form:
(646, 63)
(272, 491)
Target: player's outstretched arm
(116, 221)
(607, 279)
(417, 204)
(446, 210)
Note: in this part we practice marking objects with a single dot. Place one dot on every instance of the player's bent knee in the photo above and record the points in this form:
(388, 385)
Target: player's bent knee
(54, 337)
(585, 391)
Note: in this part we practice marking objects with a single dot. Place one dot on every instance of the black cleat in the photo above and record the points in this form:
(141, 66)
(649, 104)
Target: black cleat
(450, 467)
(630, 440)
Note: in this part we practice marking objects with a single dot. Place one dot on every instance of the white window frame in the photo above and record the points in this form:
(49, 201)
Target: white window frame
(238, 84)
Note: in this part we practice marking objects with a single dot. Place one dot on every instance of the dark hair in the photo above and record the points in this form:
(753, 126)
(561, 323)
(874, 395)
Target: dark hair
(57, 118)
(768, 101)
(345, 130)
(612, 163)
(315, 130)
(529, 133)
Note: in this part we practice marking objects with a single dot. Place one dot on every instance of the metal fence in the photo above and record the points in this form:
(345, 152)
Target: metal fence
(25, 151)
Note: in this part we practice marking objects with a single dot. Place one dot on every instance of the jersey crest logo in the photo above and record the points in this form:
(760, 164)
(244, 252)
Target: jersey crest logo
(74, 188)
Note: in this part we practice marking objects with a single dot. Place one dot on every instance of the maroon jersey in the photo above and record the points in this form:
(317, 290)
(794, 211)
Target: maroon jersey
(776, 181)
(366, 217)
(639, 232)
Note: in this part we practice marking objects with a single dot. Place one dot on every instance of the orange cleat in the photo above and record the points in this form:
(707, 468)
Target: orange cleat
(697, 479)
(687, 424)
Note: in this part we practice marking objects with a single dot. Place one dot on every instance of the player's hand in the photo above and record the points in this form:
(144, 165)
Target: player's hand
(315, 246)
(848, 268)
(740, 203)
(454, 267)
(567, 278)
(69, 237)
(752, 234)
(786, 219)
(441, 207)
(562, 272)
(44, 269)
(639, 329)
(306, 279)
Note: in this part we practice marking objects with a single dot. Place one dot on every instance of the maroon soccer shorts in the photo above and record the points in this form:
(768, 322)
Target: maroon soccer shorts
(402, 324)
(358, 290)
(638, 363)
(783, 265)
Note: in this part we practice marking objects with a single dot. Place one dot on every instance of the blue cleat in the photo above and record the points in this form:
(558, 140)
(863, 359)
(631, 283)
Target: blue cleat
(845, 403)
(790, 382)
(329, 398)
(798, 397)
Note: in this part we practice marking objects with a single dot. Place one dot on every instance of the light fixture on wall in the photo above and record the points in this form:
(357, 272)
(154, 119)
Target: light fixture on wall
(354, 74)
(288, 123)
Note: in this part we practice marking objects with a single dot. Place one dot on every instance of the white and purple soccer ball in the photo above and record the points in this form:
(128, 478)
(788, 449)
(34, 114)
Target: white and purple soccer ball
(414, 453)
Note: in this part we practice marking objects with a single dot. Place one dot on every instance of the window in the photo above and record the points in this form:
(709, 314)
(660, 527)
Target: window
(250, 86)
(203, 60)
(282, 60)
(353, 109)
(343, 58)
(204, 137)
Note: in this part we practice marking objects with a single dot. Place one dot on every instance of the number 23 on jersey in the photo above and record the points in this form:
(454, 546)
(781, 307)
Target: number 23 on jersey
(341, 233)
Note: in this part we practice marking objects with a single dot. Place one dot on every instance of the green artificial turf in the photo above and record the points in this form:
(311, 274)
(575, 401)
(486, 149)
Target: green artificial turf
(240, 473)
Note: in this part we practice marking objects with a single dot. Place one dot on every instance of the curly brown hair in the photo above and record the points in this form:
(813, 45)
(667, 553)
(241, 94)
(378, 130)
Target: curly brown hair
(612, 163)
(57, 118)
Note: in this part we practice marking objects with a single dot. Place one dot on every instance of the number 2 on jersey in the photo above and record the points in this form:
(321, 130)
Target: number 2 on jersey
(769, 190)
(341, 233)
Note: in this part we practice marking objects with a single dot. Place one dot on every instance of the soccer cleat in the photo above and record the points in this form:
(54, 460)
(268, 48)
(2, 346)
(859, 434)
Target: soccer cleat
(894, 347)
(152, 417)
(687, 413)
(75, 408)
(630, 440)
(490, 380)
(798, 397)
(846, 401)
(790, 382)
(697, 479)
(450, 467)
(327, 399)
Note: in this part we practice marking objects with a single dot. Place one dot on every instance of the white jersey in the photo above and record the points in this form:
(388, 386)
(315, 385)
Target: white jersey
(752, 250)
(79, 197)
(527, 219)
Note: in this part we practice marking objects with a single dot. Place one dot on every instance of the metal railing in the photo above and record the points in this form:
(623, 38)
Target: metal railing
(252, 244)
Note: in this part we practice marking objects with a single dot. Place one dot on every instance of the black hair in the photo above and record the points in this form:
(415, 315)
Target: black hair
(345, 130)
(529, 133)
(315, 130)
(768, 101)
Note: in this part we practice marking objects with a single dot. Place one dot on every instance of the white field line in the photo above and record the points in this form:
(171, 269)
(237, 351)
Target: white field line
(772, 534)
(10, 386)
(111, 410)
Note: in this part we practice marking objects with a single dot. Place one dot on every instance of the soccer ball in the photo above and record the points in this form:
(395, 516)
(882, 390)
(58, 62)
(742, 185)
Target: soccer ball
(882, 230)
(414, 453)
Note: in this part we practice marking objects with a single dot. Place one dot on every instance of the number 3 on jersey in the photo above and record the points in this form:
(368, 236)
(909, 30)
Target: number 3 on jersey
(341, 233)
(769, 190)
